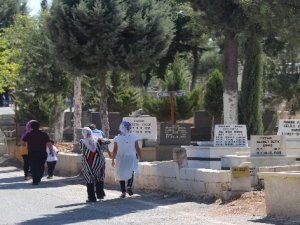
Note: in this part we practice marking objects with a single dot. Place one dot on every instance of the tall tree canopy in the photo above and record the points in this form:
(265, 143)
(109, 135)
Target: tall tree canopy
(8, 9)
(94, 36)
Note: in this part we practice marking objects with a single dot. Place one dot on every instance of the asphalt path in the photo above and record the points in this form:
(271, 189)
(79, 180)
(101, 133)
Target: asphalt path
(62, 201)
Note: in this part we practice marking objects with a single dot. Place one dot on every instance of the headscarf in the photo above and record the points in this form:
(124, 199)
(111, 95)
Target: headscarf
(88, 139)
(125, 128)
(27, 128)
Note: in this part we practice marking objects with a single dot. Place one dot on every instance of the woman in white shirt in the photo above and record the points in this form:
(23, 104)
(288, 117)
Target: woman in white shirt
(126, 153)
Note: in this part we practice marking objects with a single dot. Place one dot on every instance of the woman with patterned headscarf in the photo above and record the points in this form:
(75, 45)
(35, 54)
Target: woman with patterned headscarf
(93, 165)
(126, 153)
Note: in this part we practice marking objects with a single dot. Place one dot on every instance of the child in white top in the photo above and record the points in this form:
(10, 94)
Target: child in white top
(51, 158)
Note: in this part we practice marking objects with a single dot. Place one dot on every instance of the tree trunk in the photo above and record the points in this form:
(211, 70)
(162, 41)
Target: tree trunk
(195, 67)
(77, 106)
(230, 94)
(103, 103)
(58, 119)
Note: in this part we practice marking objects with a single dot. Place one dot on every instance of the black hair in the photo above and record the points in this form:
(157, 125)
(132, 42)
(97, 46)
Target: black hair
(92, 126)
(35, 125)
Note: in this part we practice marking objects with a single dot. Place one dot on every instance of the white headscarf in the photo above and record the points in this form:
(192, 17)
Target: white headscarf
(125, 128)
(88, 139)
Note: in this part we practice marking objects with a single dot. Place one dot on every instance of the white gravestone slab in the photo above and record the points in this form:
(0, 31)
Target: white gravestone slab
(289, 127)
(268, 145)
(230, 135)
(145, 127)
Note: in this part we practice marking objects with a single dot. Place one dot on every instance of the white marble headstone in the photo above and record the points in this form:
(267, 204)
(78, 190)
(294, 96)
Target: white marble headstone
(268, 145)
(228, 135)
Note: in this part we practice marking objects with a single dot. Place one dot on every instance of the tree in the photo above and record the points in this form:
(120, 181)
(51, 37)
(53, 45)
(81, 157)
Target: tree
(250, 111)
(227, 17)
(123, 97)
(213, 101)
(10, 8)
(94, 37)
(9, 70)
(44, 5)
(177, 78)
(42, 85)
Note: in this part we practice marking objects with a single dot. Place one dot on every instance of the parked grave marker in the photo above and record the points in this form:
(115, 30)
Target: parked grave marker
(228, 135)
(268, 145)
(144, 126)
(175, 134)
(289, 127)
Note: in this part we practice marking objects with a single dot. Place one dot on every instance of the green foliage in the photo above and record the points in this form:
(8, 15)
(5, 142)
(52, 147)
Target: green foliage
(250, 110)
(282, 75)
(213, 96)
(9, 70)
(177, 78)
(10, 8)
(123, 97)
(42, 84)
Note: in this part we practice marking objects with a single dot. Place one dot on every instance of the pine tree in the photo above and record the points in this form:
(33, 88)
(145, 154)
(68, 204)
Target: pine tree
(213, 97)
(44, 5)
(95, 36)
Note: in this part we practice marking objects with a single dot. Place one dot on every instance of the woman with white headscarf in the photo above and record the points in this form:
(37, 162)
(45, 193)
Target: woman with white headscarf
(126, 153)
(93, 165)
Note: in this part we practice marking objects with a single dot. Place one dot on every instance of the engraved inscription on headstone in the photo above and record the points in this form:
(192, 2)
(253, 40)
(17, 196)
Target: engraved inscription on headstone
(268, 145)
(227, 135)
(145, 127)
(289, 127)
(175, 134)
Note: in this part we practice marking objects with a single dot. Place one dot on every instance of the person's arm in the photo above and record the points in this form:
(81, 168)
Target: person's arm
(114, 154)
(138, 150)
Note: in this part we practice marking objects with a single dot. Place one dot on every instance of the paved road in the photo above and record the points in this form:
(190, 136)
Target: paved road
(62, 201)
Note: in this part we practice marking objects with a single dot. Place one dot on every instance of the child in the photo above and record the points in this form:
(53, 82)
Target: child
(51, 158)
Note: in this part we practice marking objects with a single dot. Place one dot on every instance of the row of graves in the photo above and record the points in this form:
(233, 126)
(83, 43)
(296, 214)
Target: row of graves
(231, 150)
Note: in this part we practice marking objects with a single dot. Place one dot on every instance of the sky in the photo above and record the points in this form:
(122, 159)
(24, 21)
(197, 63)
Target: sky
(35, 6)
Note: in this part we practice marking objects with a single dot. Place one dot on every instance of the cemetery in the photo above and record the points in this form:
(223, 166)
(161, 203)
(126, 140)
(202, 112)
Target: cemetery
(210, 87)
(225, 167)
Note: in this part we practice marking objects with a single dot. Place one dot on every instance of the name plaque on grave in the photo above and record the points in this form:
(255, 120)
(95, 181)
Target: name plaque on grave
(240, 171)
(268, 145)
(230, 135)
(145, 127)
(289, 127)
(175, 134)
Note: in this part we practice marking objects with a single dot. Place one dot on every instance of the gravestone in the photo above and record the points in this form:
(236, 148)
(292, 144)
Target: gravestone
(144, 126)
(202, 126)
(175, 134)
(268, 145)
(230, 135)
(114, 119)
(95, 119)
(289, 127)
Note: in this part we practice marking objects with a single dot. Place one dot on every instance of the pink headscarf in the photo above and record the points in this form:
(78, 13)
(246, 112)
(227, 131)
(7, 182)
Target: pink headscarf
(27, 128)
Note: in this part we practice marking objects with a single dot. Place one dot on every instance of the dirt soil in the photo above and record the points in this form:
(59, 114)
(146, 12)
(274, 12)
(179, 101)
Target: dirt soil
(250, 203)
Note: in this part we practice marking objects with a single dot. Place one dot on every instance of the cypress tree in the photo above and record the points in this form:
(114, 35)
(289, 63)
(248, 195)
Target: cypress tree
(250, 99)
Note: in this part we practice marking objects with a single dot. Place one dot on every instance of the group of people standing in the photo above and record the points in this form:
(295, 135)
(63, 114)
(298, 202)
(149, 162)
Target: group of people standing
(125, 156)
(38, 148)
